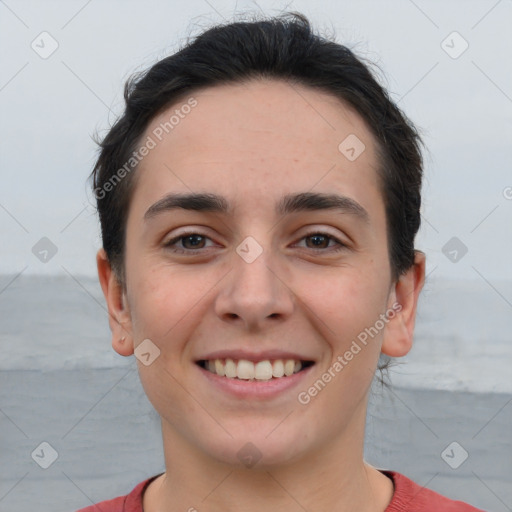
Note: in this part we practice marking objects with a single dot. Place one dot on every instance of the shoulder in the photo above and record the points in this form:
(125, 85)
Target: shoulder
(129, 503)
(411, 497)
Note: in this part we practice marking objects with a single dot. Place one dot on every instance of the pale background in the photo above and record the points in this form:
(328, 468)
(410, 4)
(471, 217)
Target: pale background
(57, 367)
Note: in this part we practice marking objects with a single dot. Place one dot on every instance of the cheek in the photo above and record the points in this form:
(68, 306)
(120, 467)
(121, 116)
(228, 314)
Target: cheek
(165, 309)
(168, 305)
(346, 307)
(158, 302)
(346, 301)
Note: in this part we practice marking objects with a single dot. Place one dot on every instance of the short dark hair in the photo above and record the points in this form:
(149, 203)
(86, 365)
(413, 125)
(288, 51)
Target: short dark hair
(284, 48)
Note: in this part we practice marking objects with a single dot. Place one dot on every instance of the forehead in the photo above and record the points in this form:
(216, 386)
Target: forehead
(259, 140)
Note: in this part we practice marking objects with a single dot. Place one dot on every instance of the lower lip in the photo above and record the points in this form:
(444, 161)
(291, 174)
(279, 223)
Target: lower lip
(254, 389)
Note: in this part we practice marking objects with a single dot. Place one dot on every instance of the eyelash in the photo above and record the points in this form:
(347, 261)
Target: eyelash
(169, 245)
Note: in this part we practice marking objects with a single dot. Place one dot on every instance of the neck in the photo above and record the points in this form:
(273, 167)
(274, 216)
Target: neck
(334, 477)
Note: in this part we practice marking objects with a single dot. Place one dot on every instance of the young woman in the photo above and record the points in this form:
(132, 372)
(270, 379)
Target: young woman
(259, 200)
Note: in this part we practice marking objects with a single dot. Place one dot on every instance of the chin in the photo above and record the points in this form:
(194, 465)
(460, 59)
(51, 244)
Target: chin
(259, 450)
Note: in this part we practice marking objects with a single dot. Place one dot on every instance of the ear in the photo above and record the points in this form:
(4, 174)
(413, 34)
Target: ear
(118, 311)
(403, 300)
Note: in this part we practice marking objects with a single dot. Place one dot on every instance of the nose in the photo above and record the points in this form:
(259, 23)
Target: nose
(254, 294)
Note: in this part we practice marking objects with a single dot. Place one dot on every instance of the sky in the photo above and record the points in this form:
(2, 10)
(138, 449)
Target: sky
(64, 64)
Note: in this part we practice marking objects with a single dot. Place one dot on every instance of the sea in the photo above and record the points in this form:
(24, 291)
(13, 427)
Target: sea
(76, 427)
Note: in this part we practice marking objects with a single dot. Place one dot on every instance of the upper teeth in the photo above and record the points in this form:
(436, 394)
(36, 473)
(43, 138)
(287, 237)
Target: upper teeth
(247, 370)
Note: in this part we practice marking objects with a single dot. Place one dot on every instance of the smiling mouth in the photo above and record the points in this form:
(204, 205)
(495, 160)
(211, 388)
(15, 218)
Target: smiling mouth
(243, 369)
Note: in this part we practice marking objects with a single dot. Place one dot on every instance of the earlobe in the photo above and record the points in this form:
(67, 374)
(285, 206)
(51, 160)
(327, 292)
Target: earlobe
(398, 335)
(122, 346)
(118, 310)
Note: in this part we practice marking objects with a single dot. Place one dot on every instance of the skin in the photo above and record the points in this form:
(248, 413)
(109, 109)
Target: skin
(252, 144)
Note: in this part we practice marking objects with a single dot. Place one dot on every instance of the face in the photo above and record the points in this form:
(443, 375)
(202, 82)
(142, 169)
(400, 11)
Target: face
(253, 237)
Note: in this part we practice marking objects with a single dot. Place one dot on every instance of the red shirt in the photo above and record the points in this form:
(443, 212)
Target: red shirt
(408, 497)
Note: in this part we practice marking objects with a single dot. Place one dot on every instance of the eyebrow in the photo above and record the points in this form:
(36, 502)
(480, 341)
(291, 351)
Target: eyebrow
(290, 203)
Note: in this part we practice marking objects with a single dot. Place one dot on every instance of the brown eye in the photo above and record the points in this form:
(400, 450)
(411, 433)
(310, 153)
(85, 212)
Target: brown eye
(193, 241)
(317, 241)
(188, 243)
(322, 243)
